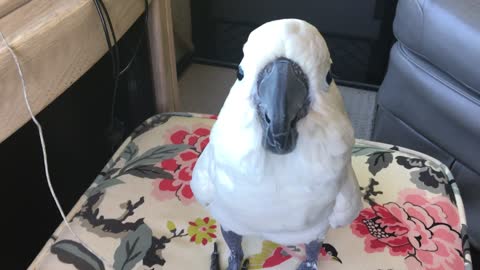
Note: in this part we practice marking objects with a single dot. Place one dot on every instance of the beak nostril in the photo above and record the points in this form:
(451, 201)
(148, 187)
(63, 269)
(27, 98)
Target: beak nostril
(267, 119)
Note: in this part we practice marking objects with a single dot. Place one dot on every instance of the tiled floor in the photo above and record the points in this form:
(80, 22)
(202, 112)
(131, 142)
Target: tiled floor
(204, 88)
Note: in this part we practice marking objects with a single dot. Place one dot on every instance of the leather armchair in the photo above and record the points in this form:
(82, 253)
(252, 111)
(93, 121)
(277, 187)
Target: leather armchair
(430, 98)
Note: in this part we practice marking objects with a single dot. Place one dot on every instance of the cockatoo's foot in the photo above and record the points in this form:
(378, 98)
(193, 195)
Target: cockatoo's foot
(312, 249)
(234, 243)
(308, 265)
(234, 262)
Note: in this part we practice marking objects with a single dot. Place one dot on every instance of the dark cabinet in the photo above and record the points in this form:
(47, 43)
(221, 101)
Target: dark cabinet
(358, 33)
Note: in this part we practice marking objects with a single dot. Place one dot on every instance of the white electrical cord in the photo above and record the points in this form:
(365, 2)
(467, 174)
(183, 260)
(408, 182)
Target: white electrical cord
(44, 151)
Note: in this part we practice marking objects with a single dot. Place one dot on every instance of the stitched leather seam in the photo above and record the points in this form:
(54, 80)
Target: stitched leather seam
(422, 13)
(412, 129)
(436, 144)
(459, 91)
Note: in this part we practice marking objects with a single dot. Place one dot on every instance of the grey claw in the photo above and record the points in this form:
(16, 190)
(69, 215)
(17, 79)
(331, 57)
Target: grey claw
(308, 265)
(245, 265)
(234, 262)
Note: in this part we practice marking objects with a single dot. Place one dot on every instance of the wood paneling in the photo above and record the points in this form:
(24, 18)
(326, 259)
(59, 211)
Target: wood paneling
(7, 6)
(162, 50)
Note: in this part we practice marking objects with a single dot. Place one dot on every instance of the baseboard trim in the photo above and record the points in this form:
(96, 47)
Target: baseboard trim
(206, 61)
(358, 85)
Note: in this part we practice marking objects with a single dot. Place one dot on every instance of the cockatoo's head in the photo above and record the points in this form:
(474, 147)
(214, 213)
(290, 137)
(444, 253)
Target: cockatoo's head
(284, 88)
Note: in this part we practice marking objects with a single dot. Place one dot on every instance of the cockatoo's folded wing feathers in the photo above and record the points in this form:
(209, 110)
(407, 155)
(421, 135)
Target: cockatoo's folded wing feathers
(202, 183)
(348, 201)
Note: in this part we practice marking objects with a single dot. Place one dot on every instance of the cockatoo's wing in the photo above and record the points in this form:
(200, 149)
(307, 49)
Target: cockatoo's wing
(202, 182)
(348, 202)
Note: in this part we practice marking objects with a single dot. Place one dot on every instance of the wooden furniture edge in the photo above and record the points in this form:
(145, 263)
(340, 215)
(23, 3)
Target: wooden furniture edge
(162, 49)
(56, 45)
(8, 6)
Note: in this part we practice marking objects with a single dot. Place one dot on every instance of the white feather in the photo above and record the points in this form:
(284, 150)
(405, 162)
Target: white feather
(288, 198)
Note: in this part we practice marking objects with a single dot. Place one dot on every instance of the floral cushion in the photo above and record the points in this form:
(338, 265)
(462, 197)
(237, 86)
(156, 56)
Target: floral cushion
(140, 212)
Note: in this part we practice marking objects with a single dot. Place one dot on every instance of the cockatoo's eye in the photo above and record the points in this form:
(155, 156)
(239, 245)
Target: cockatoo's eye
(329, 78)
(240, 73)
(268, 68)
(267, 119)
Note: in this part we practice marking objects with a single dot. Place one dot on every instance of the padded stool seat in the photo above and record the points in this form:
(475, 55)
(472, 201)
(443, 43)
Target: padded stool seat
(140, 212)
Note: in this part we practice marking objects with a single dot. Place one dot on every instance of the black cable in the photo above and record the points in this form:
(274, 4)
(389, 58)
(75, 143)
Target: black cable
(114, 51)
(112, 32)
(107, 35)
(140, 40)
(104, 9)
(139, 43)
(103, 13)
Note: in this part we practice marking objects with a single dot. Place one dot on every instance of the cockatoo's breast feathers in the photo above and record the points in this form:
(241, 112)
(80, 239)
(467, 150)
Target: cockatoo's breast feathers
(281, 100)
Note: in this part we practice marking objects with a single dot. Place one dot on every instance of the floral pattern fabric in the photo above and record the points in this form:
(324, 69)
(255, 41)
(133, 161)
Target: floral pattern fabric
(140, 212)
(425, 230)
(181, 166)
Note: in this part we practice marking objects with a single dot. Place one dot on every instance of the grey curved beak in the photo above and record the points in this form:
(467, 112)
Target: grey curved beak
(282, 100)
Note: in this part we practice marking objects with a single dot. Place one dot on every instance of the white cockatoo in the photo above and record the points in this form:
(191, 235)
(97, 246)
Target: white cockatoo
(278, 164)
